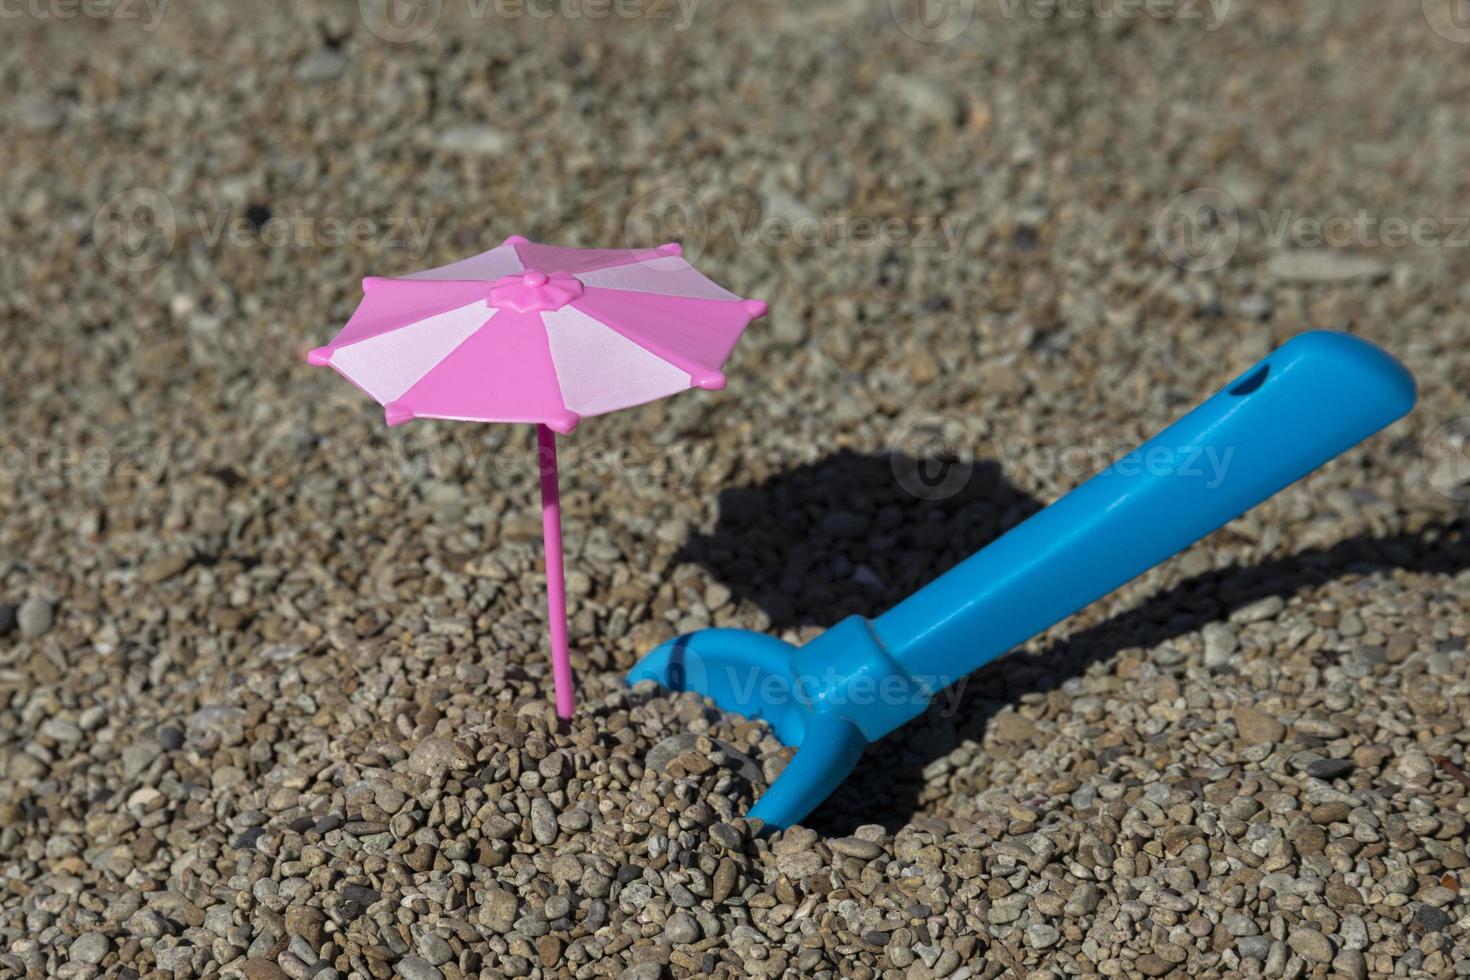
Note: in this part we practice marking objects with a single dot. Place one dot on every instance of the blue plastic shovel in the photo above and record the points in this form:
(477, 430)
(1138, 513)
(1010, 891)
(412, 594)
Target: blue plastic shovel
(1315, 397)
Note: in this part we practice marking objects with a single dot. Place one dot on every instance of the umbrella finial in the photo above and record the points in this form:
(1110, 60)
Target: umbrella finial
(533, 291)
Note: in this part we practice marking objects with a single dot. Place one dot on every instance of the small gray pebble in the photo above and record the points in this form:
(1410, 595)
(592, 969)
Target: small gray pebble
(90, 947)
(435, 949)
(416, 968)
(35, 617)
(681, 928)
(856, 847)
(474, 140)
(321, 65)
(1311, 945)
(1042, 935)
(1259, 611)
(1254, 947)
(543, 821)
(1084, 900)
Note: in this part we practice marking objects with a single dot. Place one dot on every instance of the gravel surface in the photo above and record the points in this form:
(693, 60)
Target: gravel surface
(273, 690)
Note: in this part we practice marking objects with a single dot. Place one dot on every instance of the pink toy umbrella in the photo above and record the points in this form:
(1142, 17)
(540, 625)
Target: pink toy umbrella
(536, 333)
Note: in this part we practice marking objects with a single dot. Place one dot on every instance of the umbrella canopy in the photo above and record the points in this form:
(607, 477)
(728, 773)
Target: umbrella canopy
(537, 333)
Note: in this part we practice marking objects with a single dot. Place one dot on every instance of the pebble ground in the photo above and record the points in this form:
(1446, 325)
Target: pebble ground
(273, 689)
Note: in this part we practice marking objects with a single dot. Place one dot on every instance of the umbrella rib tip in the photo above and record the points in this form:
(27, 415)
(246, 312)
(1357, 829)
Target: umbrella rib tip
(516, 240)
(319, 356)
(710, 380)
(397, 413)
(755, 307)
(670, 248)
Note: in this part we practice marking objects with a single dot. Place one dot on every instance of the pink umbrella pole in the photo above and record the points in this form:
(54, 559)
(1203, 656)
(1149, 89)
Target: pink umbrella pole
(556, 592)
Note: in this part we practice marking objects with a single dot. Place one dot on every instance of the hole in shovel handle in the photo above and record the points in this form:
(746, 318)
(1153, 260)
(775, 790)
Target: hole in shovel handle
(1252, 381)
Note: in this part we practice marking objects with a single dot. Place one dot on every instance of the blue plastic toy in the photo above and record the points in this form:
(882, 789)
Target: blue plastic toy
(1315, 397)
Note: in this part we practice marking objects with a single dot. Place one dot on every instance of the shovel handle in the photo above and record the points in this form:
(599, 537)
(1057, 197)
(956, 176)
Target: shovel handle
(1316, 396)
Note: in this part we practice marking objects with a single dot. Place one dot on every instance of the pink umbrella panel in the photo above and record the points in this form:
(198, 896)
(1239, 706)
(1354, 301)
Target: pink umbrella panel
(539, 333)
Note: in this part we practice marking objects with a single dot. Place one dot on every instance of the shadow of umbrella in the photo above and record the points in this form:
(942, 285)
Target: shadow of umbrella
(844, 536)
